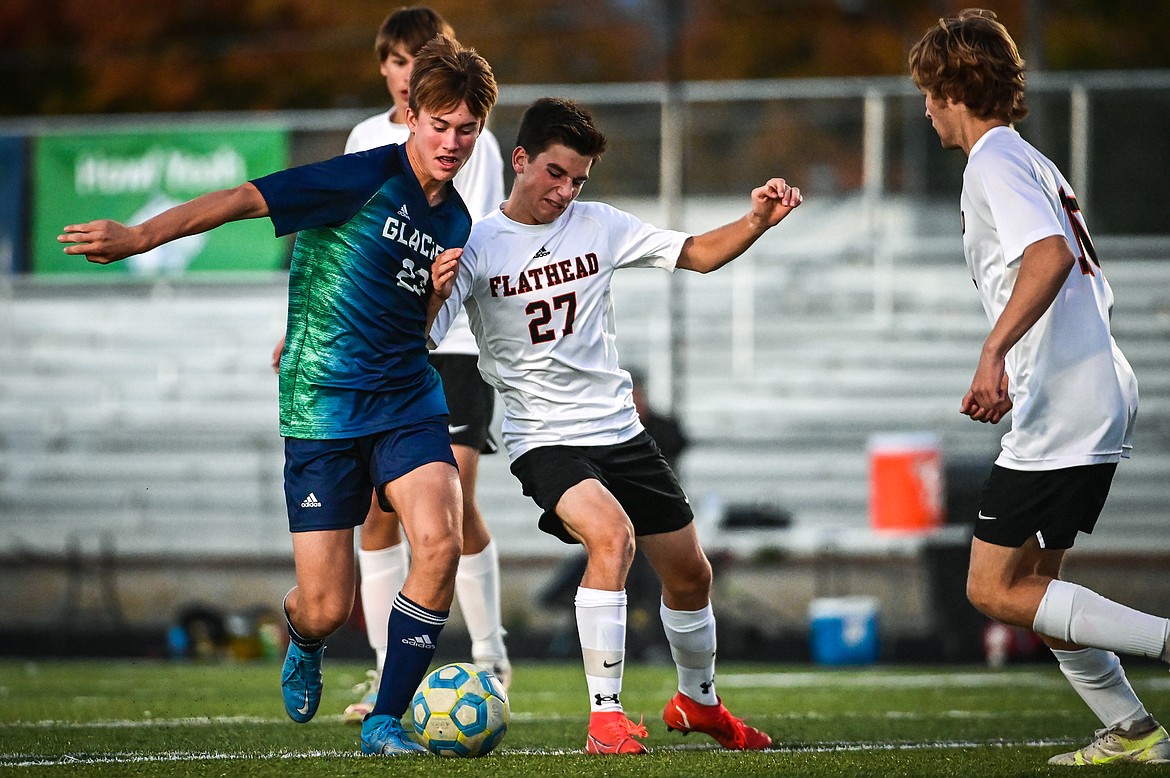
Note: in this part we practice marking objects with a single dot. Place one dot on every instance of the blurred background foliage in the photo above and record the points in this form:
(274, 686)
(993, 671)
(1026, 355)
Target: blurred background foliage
(120, 56)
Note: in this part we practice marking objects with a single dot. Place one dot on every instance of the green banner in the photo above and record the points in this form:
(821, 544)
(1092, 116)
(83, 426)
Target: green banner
(131, 176)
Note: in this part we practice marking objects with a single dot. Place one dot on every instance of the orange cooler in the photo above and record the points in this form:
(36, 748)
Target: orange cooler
(905, 482)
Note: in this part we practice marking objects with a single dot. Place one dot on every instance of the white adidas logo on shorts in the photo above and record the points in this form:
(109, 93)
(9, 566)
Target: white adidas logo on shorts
(311, 501)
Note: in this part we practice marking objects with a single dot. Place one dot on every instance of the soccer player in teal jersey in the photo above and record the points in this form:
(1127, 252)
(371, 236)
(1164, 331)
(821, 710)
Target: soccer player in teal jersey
(360, 406)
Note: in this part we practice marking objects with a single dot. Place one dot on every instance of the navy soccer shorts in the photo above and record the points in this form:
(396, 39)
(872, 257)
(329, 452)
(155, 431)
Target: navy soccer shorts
(327, 483)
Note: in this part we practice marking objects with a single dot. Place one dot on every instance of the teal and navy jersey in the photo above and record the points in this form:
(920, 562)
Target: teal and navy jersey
(355, 354)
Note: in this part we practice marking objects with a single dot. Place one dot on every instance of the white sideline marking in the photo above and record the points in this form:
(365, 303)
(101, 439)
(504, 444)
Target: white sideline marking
(879, 678)
(40, 761)
(208, 721)
(191, 721)
(854, 679)
(37, 760)
(34, 760)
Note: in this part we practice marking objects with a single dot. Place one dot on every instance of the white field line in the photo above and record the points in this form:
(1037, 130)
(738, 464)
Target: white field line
(893, 680)
(66, 760)
(218, 721)
(192, 721)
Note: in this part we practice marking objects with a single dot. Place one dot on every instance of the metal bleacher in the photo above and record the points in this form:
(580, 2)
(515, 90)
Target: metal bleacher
(148, 410)
(838, 352)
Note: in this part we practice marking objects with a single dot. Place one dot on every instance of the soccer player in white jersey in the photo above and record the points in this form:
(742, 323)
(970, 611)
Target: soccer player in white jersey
(382, 556)
(1051, 361)
(535, 278)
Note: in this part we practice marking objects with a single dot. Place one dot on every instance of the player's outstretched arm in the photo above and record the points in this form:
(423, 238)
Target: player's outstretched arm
(712, 250)
(104, 241)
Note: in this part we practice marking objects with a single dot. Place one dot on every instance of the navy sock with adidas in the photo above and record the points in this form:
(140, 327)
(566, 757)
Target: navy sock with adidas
(413, 632)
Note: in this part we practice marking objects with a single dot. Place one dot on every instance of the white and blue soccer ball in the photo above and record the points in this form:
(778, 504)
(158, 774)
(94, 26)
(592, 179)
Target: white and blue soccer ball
(460, 710)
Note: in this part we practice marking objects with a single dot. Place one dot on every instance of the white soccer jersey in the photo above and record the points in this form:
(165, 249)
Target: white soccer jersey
(1074, 394)
(480, 183)
(541, 305)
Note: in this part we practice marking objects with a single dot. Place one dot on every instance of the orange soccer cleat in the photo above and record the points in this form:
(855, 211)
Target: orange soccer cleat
(611, 732)
(685, 715)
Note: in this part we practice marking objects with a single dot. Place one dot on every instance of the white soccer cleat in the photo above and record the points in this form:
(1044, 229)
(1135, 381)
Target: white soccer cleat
(368, 689)
(500, 667)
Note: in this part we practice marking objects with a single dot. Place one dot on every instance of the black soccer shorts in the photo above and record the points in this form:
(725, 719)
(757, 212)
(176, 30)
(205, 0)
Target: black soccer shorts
(634, 472)
(1049, 505)
(470, 401)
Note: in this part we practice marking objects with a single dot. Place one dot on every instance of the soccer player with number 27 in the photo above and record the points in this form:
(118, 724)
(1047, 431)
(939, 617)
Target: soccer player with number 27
(535, 277)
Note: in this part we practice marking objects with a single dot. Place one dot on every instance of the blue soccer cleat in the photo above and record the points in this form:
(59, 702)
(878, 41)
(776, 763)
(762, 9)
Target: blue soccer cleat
(385, 736)
(300, 682)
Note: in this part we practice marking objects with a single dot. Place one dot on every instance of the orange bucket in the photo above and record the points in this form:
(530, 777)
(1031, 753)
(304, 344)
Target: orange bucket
(906, 489)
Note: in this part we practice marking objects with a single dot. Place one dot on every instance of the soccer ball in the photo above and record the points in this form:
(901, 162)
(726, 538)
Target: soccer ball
(460, 710)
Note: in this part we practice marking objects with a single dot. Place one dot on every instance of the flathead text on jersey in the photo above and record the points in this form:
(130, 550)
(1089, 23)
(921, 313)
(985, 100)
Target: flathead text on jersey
(552, 274)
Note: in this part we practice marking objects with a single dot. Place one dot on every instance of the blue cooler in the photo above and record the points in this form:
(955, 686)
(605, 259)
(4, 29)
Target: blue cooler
(844, 630)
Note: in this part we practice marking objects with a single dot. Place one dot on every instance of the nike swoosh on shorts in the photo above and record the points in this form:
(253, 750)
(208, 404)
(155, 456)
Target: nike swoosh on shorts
(458, 428)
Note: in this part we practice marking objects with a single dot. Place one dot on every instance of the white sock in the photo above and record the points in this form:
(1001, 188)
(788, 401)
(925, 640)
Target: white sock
(383, 573)
(477, 585)
(1097, 677)
(691, 635)
(601, 625)
(1072, 613)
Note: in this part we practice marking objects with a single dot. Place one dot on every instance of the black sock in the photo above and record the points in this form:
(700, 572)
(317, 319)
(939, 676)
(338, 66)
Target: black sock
(308, 645)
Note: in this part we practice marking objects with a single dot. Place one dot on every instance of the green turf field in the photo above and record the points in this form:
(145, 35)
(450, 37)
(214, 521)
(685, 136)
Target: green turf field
(160, 719)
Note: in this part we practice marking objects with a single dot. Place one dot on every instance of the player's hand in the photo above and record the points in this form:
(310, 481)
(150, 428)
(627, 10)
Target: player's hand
(276, 356)
(773, 201)
(102, 241)
(985, 415)
(443, 272)
(987, 400)
(989, 386)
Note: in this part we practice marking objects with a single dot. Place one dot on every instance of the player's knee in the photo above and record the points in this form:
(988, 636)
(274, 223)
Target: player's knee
(988, 600)
(438, 552)
(689, 582)
(476, 535)
(616, 545)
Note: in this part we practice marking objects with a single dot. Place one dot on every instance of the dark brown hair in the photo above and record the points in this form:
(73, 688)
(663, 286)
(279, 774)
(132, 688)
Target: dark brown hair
(410, 27)
(552, 120)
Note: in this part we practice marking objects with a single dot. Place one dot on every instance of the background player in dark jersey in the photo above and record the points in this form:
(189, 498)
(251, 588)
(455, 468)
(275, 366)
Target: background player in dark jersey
(360, 406)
